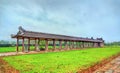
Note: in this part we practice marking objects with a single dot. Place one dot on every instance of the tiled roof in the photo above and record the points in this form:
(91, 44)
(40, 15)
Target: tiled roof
(31, 34)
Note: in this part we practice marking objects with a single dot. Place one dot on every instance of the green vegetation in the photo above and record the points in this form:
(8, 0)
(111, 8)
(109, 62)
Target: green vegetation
(13, 49)
(60, 62)
(7, 49)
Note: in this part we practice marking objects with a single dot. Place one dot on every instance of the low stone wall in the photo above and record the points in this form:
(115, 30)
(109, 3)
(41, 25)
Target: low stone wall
(98, 65)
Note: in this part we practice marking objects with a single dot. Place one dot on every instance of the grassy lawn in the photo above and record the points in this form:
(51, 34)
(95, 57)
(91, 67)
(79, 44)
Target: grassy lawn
(7, 49)
(13, 49)
(60, 62)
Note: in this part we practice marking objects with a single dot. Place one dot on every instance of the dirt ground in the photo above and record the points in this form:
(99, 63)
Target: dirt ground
(5, 68)
(111, 67)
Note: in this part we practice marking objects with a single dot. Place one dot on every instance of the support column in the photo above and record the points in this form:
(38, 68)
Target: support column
(95, 45)
(23, 45)
(17, 45)
(73, 46)
(60, 43)
(28, 44)
(35, 44)
(80, 44)
(39, 44)
(54, 45)
(66, 45)
(83, 45)
(46, 45)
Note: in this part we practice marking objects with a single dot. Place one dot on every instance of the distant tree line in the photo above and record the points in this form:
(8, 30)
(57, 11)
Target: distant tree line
(4, 43)
(113, 44)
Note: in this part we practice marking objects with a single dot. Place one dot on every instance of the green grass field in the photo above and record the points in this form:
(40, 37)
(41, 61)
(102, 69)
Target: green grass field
(60, 62)
(7, 49)
(13, 49)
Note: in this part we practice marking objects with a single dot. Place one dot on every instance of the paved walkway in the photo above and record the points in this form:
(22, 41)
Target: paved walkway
(18, 53)
(112, 67)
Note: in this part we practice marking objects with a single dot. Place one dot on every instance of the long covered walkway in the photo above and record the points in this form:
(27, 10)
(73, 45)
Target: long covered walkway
(54, 41)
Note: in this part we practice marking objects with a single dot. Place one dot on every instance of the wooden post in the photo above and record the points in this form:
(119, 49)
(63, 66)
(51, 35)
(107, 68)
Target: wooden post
(54, 45)
(78, 45)
(60, 43)
(83, 44)
(23, 45)
(66, 45)
(28, 44)
(72, 44)
(39, 44)
(35, 44)
(17, 45)
(46, 45)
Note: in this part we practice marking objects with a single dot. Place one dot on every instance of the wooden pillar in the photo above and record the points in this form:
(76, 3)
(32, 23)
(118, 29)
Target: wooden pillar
(66, 45)
(35, 44)
(17, 45)
(39, 43)
(83, 44)
(95, 45)
(87, 44)
(28, 44)
(23, 45)
(54, 45)
(46, 45)
(78, 45)
(73, 45)
(60, 43)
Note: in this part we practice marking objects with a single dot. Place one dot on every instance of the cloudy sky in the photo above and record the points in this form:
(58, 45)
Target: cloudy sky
(82, 18)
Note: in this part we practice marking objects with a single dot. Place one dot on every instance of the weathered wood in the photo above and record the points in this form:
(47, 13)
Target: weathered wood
(66, 45)
(54, 45)
(87, 42)
(83, 44)
(17, 45)
(46, 45)
(35, 44)
(60, 44)
(23, 45)
(72, 44)
(28, 44)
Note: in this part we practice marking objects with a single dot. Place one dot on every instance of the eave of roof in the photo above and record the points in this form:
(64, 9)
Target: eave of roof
(31, 34)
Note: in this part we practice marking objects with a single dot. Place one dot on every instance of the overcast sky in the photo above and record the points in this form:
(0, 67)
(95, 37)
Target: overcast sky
(82, 18)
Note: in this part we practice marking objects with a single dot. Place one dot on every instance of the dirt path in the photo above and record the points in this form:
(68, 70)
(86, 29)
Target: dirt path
(17, 53)
(5, 68)
(112, 67)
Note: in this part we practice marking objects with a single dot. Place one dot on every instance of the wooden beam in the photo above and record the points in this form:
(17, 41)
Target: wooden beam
(17, 45)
